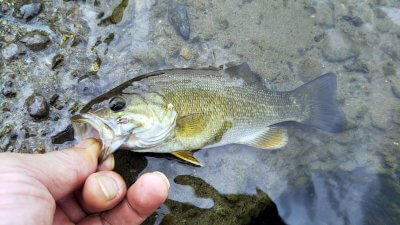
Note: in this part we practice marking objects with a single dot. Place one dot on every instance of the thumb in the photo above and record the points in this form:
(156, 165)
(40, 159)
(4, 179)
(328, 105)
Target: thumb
(64, 171)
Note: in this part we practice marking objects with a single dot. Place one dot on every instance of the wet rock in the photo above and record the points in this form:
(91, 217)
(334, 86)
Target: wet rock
(324, 14)
(10, 51)
(356, 66)
(378, 120)
(354, 20)
(392, 50)
(36, 41)
(150, 57)
(29, 11)
(396, 115)
(66, 135)
(37, 106)
(57, 102)
(5, 107)
(395, 90)
(9, 89)
(186, 53)
(389, 69)
(337, 48)
(309, 69)
(57, 62)
(179, 19)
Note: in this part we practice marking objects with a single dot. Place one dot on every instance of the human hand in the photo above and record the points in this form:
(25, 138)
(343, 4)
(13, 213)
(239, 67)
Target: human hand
(63, 187)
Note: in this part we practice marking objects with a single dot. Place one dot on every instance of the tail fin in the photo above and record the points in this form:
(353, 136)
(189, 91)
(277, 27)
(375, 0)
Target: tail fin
(320, 97)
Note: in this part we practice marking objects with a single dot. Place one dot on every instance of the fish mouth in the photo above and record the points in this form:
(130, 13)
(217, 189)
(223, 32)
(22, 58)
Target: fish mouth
(92, 126)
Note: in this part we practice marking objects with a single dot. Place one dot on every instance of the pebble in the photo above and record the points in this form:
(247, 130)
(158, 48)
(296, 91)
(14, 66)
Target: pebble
(31, 10)
(37, 106)
(354, 20)
(378, 120)
(337, 48)
(9, 89)
(186, 53)
(57, 102)
(309, 69)
(324, 14)
(356, 66)
(389, 69)
(179, 19)
(36, 41)
(396, 116)
(10, 51)
(395, 90)
(57, 62)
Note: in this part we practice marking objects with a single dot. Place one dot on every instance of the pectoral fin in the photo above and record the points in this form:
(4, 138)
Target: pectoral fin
(187, 156)
(272, 138)
(190, 125)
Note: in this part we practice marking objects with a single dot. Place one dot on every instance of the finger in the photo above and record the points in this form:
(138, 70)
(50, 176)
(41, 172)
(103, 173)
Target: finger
(102, 191)
(60, 218)
(70, 206)
(108, 164)
(143, 198)
(64, 171)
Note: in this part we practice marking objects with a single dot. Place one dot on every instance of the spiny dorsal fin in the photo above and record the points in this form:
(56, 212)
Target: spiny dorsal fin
(272, 138)
(190, 125)
(243, 71)
(187, 156)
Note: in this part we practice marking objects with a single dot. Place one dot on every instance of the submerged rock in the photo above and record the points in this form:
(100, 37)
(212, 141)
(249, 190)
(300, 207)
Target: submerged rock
(337, 48)
(180, 21)
(37, 106)
(309, 69)
(29, 11)
(9, 89)
(10, 51)
(36, 41)
(357, 66)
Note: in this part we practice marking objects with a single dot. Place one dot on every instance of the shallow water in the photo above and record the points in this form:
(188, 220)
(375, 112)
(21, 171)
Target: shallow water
(318, 178)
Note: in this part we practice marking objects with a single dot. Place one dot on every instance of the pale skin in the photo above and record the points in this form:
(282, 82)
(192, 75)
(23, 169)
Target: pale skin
(69, 187)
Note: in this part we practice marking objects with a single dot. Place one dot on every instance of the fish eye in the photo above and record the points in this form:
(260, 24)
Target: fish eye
(116, 104)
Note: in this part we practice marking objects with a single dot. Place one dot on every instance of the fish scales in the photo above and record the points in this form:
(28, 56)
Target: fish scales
(180, 110)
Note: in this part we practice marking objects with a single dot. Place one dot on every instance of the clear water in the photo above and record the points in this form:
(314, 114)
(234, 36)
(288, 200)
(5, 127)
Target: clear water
(318, 178)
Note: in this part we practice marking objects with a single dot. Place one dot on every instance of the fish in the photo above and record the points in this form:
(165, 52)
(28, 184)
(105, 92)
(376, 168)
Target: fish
(182, 110)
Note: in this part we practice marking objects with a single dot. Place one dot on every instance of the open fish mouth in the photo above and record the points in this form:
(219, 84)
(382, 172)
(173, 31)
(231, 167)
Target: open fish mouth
(91, 126)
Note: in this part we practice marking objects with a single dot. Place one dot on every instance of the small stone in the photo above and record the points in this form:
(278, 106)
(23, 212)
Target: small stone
(9, 89)
(186, 53)
(395, 90)
(180, 21)
(5, 107)
(354, 20)
(378, 120)
(337, 48)
(324, 14)
(57, 102)
(36, 41)
(389, 69)
(58, 61)
(37, 106)
(10, 51)
(309, 69)
(356, 66)
(396, 116)
(29, 11)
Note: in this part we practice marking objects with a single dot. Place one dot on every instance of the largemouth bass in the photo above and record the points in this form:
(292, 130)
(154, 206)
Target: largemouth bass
(181, 110)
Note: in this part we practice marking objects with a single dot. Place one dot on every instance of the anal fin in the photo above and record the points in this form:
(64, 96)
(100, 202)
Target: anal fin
(272, 138)
(187, 156)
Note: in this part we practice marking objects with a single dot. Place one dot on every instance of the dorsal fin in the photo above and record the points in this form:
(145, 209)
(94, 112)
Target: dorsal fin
(243, 71)
(272, 138)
